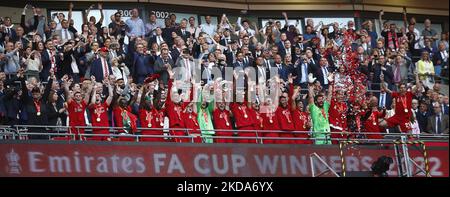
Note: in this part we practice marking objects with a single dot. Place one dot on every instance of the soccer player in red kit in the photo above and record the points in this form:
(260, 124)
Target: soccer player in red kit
(302, 122)
(370, 117)
(270, 122)
(99, 111)
(258, 124)
(403, 101)
(244, 121)
(149, 116)
(338, 116)
(222, 121)
(124, 119)
(76, 106)
(284, 115)
(191, 123)
(174, 109)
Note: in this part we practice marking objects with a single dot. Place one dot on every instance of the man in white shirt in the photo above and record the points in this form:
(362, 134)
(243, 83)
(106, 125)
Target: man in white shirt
(208, 28)
(245, 26)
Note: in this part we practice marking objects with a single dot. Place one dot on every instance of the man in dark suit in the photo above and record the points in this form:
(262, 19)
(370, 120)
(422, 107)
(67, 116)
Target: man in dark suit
(239, 61)
(438, 123)
(158, 38)
(162, 64)
(301, 70)
(380, 68)
(48, 58)
(287, 50)
(384, 99)
(283, 72)
(100, 67)
(322, 73)
(226, 39)
(440, 57)
(183, 32)
(422, 116)
(230, 53)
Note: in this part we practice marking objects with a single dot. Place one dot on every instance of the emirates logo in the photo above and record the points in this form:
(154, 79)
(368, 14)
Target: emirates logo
(13, 163)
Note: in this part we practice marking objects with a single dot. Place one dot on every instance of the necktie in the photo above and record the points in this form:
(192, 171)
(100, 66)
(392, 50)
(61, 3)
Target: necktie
(187, 66)
(438, 124)
(105, 69)
(312, 61)
(382, 100)
(246, 60)
(66, 35)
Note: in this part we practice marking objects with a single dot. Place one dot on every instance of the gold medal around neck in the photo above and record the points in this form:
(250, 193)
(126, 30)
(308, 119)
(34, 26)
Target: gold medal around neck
(38, 113)
(406, 110)
(98, 119)
(228, 124)
(245, 116)
(149, 125)
(271, 121)
(374, 123)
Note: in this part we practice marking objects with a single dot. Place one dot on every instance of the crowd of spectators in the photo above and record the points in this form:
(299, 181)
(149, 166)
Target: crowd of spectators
(132, 75)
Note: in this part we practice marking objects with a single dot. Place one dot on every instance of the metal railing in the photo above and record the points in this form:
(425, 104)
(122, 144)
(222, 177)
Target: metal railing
(22, 132)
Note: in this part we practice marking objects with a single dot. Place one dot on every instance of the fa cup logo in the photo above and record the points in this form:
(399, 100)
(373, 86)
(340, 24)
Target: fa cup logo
(13, 163)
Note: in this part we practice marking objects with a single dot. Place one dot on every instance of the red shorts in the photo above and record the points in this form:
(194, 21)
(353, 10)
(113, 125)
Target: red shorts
(396, 120)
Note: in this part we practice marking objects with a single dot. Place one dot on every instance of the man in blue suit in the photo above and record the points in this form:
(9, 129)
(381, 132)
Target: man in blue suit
(142, 65)
(283, 72)
(100, 67)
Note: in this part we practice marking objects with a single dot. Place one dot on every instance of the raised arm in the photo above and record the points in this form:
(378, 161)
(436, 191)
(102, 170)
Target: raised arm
(85, 18)
(94, 94)
(100, 7)
(380, 18)
(66, 88)
(405, 23)
(311, 94)
(69, 16)
(330, 87)
(88, 92)
(418, 84)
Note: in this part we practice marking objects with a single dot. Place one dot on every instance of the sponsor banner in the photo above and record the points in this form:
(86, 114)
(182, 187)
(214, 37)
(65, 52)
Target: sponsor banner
(187, 160)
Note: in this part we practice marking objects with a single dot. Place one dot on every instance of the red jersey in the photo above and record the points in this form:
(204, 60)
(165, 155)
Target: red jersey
(371, 125)
(124, 118)
(257, 119)
(242, 115)
(148, 118)
(190, 122)
(270, 121)
(285, 119)
(174, 111)
(338, 114)
(403, 104)
(99, 114)
(76, 113)
(300, 120)
(221, 119)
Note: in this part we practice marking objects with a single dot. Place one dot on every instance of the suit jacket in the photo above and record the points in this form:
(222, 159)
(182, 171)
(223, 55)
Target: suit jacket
(431, 127)
(422, 120)
(60, 34)
(97, 69)
(438, 57)
(181, 63)
(388, 75)
(46, 65)
(283, 72)
(388, 101)
(161, 70)
(320, 75)
(186, 35)
(283, 52)
(153, 39)
(297, 71)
